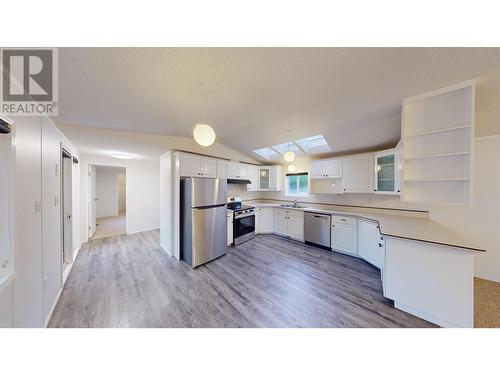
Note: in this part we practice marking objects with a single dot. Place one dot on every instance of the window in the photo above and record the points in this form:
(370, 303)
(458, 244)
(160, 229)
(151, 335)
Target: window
(297, 184)
(267, 153)
(6, 264)
(314, 145)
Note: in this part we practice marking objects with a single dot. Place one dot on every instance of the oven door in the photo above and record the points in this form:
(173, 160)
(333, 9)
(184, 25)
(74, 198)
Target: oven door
(243, 229)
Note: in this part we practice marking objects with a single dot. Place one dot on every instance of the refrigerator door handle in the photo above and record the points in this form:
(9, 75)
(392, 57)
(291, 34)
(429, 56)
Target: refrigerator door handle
(208, 207)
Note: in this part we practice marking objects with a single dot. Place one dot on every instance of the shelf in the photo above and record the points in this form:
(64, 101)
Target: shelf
(430, 132)
(438, 179)
(438, 155)
(385, 165)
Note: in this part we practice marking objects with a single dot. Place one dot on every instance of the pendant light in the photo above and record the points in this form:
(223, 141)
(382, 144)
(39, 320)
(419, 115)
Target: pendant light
(289, 155)
(204, 134)
(291, 168)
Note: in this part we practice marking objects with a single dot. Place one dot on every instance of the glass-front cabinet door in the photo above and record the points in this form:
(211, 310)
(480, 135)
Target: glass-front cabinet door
(386, 173)
(264, 178)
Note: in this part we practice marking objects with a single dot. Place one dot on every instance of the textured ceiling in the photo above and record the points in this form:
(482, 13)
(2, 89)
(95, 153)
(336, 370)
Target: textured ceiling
(252, 96)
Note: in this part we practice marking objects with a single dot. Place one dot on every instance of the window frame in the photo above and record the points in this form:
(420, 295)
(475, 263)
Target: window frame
(297, 195)
(8, 273)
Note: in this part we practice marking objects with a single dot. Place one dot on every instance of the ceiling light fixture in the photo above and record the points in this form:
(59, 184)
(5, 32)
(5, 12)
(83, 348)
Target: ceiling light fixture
(289, 155)
(291, 168)
(204, 135)
(122, 156)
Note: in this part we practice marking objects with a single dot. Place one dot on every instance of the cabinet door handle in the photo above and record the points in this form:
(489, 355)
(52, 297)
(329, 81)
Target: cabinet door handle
(379, 245)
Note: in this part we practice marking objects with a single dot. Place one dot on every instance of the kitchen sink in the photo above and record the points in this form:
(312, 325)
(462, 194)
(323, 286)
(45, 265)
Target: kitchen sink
(291, 206)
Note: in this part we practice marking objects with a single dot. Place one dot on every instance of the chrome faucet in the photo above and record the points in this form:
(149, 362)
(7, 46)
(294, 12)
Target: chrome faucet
(295, 203)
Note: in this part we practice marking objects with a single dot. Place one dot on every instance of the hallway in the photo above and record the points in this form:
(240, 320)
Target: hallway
(110, 226)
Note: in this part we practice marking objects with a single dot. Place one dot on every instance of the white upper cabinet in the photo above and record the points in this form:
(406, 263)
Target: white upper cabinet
(269, 178)
(331, 168)
(208, 167)
(250, 172)
(438, 132)
(221, 169)
(358, 174)
(386, 172)
(190, 165)
(316, 169)
(197, 166)
(235, 170)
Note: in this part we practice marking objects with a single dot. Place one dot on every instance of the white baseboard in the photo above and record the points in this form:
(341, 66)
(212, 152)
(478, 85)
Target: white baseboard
(426, 316)
(165, 250)
(143, 230)
(53, 308)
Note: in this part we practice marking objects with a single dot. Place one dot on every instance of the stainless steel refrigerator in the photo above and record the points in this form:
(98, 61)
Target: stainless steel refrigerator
(203, 219)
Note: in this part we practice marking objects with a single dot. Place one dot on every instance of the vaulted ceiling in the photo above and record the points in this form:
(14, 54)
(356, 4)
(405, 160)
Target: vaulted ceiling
(252, 96)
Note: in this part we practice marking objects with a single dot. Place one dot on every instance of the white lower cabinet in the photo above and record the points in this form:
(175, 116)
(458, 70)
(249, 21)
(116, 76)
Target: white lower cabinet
(229, 228)
(264, 220)
(345, 234)
(371, 244)
(289, 223)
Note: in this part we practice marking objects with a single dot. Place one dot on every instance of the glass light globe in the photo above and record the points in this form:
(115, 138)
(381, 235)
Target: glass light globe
(291, 168)
(289, 156)
(204, 135)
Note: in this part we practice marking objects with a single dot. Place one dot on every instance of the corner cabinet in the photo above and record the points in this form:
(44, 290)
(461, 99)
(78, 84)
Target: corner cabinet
(387, 170)
(358, 174)
(371, 244)
(269, 178)
(264, 220)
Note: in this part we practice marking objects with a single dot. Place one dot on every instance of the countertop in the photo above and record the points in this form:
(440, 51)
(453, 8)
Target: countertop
(393, 224)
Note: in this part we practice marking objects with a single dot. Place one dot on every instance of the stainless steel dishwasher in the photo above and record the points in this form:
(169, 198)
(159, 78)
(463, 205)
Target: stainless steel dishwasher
(317, 229)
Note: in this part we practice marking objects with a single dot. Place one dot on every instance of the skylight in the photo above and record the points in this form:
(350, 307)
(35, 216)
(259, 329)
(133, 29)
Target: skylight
(314, 145)
(284, 147)
(267, 153)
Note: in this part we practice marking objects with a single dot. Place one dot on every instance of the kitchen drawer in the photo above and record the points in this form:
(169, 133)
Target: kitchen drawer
(338, 219)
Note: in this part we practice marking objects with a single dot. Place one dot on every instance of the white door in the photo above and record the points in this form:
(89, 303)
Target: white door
(264, 178)
(92, 201)
(265, 220)
(190, 165)
(209, 167)
(221, 169)
(280, 222)
(370, 243)
(333, 168)
(358, 174)
(233, 170)
(317, 169)
(385, 173)
(67, 197)
(344, 238)
(296, 227)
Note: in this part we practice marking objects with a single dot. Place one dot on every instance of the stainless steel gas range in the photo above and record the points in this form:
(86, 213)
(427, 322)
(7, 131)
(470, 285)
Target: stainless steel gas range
(243, 220)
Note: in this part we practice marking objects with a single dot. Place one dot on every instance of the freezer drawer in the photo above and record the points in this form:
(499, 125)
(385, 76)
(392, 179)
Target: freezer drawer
(317, 229)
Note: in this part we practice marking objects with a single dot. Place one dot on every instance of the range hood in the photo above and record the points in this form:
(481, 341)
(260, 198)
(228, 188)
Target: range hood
(237, 181)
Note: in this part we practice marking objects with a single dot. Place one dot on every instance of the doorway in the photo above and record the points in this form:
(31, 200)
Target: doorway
(107, 201)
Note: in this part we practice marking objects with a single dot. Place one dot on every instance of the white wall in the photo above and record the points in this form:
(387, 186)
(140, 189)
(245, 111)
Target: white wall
(122, 192)
(143, 192)
(106, 192)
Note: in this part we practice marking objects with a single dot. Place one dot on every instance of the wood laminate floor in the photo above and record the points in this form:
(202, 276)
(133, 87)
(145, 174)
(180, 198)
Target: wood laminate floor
(127, 281)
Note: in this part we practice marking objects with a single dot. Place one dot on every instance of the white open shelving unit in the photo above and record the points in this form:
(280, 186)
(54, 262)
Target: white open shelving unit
(438, 134)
